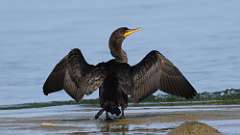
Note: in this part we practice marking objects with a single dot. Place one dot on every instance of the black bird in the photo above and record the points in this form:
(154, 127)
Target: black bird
(116, 79)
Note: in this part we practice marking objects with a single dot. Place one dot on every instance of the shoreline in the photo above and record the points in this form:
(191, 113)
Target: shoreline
(94, 103)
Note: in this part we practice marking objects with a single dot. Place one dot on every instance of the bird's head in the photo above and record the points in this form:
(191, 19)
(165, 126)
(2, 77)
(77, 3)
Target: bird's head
(121, 33)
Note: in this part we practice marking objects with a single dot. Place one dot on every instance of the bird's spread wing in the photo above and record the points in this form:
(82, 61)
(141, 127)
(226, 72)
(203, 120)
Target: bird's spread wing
(157, 72)
(75, 76)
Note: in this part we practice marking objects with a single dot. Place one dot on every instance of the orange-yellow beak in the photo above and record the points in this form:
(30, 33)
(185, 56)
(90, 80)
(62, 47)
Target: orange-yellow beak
(130, 32)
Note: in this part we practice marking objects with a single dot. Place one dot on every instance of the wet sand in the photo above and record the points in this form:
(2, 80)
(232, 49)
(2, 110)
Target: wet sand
(78, 119)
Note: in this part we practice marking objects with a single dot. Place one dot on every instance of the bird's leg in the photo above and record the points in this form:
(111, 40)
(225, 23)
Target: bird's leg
(122, 115)
(107, 116)
(99, 113)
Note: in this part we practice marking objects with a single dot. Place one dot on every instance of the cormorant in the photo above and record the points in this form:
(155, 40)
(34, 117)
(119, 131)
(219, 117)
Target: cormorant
(116, 79)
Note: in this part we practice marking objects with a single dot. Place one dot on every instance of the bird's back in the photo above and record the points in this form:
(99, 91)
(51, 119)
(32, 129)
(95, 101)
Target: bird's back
(113, 91)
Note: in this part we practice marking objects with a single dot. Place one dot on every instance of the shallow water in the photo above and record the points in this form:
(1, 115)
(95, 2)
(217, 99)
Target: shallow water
(201, 37)
(75, 119)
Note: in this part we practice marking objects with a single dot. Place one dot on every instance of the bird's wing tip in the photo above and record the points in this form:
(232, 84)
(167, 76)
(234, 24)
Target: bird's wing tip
(45, 92)
(194, 94)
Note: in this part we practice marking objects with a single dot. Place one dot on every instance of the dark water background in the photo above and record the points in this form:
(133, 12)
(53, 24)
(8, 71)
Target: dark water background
(201, 37)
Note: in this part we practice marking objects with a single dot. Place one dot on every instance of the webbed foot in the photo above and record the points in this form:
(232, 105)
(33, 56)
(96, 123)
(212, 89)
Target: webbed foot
(108, 118)
(99, 114)
(122, 113)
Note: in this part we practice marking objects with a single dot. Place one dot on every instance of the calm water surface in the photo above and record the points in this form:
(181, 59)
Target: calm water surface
(201, 37)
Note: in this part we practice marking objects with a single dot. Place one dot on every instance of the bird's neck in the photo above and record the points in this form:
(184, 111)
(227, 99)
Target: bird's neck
(117, 52)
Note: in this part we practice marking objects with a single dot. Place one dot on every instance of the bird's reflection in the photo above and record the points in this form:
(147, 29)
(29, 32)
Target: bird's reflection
(108, 127)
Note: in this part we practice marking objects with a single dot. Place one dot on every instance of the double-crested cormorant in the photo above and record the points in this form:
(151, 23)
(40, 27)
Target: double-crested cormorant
(116, 79)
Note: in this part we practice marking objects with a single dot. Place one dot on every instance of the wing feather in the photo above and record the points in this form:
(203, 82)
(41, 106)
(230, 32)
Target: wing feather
(157, 72)
(75, 76)
(55, 80)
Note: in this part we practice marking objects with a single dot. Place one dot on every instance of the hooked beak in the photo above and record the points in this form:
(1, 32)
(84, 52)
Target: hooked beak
(130, 32)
